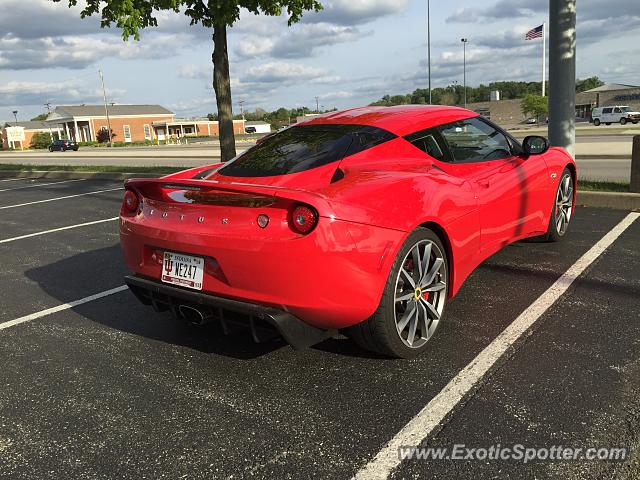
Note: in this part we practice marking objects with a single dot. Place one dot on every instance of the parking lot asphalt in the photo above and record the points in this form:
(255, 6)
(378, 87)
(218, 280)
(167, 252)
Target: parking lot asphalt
(110, 389)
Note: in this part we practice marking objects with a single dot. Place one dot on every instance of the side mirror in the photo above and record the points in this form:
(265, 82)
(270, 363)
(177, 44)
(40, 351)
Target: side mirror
(534, 145)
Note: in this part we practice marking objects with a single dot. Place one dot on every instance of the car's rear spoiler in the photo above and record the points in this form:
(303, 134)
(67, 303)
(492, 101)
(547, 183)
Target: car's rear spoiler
(158, 188)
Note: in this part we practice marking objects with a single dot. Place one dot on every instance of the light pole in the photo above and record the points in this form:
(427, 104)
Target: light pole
(106, 109)
(464, 68)
(15, 115)
(429, 45)
(317, 104)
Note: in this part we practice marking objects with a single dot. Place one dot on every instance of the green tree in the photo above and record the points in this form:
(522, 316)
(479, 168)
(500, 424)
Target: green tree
(535, 105)
(40, 140)
(41, 117)
(133, 15)
(588, 84)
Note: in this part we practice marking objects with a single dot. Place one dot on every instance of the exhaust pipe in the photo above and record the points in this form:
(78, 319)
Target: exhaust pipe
(195, 315)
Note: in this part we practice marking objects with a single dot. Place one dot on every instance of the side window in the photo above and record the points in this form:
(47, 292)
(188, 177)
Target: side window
(617, 110)
(428, 144)
(607, 110)
(473, 140)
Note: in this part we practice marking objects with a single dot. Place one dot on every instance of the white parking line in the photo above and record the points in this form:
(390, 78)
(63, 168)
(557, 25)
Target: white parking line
(41, 185)
(381, 466)
(60, 308)
(15, 179)
(62, 198)
(13, 239)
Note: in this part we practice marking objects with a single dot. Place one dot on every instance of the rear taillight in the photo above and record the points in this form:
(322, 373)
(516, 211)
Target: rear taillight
(303, 219)
(131, 202)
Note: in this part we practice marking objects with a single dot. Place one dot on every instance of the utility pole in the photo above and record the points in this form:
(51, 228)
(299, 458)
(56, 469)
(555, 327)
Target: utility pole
(429, 45)
(241, 102)
(562, 74)
(106, 109)
(464, 68)
(48, 107)
(317, 104)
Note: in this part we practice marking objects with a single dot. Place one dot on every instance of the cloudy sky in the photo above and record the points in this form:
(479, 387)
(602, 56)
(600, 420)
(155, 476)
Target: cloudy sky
(350, 54)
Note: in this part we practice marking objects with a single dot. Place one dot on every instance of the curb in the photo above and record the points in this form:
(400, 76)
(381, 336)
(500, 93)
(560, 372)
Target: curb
(64, 175)
(603, 157)
(615, 200)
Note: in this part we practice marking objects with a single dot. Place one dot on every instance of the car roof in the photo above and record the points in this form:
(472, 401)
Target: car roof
(400, 119)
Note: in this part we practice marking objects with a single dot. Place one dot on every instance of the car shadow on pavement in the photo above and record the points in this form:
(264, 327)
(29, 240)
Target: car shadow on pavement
(102, 269)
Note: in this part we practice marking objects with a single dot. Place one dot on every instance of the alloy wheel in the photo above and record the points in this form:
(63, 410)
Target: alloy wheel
(420, 293)
(564, 204)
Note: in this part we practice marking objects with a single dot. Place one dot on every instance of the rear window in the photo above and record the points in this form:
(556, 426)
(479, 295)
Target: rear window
(304, 147)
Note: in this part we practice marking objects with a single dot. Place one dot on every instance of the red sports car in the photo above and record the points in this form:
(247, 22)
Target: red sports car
(365, 221)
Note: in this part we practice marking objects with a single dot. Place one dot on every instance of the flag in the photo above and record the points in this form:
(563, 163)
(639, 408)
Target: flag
(534, 33)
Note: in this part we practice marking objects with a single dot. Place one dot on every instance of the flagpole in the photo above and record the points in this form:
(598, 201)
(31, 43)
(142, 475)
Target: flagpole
(544, 56)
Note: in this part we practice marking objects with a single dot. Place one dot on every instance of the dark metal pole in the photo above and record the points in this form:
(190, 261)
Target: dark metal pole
(635, 165)
(562, 74)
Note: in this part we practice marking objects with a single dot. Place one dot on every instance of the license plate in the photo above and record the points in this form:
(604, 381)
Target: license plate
(183, 270)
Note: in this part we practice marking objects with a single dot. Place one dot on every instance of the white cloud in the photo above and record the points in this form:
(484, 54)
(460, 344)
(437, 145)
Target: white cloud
(298, 41)
(59, 93)
(286, 73)
(77, 52)
(355, 12)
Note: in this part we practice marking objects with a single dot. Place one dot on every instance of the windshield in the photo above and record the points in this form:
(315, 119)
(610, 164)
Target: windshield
(304, 147)
(626, 109)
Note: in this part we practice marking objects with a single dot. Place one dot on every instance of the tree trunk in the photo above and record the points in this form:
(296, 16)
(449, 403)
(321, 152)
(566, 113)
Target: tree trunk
(222, 87)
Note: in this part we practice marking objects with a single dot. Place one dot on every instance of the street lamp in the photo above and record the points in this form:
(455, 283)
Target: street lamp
(429, 45)
(464, 68)
(15, 115)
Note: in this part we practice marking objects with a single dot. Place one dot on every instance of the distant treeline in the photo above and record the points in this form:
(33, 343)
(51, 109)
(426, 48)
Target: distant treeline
(454, 94)
(451, 95)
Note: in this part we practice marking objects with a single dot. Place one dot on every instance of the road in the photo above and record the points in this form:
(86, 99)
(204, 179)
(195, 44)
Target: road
(109, 389)
(599, 157)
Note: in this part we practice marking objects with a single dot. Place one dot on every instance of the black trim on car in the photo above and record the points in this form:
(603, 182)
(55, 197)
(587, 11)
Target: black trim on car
(165, 297)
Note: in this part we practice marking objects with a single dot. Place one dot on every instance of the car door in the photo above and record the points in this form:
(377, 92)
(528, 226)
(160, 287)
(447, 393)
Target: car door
(510, 189)
(607, 115)
(617, 114)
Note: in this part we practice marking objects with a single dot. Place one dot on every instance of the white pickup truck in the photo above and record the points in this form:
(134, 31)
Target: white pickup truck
(616, 114)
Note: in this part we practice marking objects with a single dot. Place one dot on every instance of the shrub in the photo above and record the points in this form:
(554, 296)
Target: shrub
(103, 135)
(40, 140)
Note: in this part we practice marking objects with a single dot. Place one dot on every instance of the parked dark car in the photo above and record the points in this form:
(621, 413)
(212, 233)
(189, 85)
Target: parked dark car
(63, 145)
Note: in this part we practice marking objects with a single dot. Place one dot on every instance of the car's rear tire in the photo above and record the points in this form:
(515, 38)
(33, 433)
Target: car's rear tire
(562, 210)
(413, 300)
(596, 122)
(50, 149)
(623, 121)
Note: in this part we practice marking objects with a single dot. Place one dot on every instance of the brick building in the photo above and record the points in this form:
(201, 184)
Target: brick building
(29, 129)
(197, 127)
(129, 123)
(610, 94)
(509, 112)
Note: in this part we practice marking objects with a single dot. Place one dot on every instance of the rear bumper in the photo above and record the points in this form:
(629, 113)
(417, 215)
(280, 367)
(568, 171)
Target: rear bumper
(164, 297)
(332, 278)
